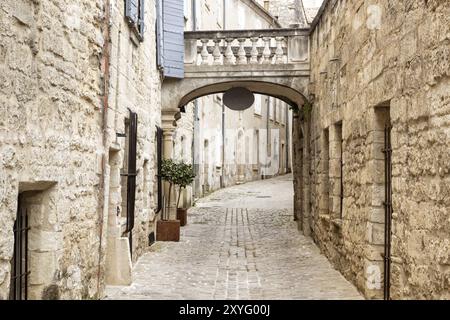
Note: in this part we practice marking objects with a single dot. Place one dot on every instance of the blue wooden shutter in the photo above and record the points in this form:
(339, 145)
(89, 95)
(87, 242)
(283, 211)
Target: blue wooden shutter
(173, 38)
(141, 23)
(132, 10)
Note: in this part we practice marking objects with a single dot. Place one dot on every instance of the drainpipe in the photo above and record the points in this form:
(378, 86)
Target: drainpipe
(222, 182)
(267, 135)
(196, 147)
(288, 140)
(104, 66)
(194, 15)
(194, 135)
(224, 14)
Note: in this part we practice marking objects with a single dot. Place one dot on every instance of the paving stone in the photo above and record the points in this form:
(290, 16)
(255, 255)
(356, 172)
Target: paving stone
(250, 251)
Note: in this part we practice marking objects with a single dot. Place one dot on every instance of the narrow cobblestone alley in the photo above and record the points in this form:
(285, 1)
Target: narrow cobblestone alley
(240, 243)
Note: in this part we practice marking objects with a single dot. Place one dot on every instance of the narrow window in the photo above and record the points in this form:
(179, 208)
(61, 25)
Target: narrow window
(341, 167)
(326, 171)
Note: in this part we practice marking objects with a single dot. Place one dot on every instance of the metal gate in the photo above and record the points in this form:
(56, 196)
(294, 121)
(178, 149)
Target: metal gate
(388, 210)
(19, 263)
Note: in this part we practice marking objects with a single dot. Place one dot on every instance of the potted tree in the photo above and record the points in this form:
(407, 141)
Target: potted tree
(184, 176)
(166, 229)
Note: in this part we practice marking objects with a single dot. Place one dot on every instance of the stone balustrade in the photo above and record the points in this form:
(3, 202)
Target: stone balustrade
(238, 47)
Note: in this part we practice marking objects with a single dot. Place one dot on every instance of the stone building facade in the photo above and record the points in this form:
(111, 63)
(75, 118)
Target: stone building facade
(80, 104)
(226, 146)
(375, 140)
(71, 74)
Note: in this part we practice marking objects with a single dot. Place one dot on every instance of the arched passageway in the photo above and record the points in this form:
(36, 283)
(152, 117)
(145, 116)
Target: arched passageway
(177, 94)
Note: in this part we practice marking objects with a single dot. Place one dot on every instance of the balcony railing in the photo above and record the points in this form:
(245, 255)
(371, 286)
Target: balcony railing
(238, 47)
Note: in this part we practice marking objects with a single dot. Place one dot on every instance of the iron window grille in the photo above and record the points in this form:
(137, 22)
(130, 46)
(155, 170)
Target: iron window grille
(19, 262)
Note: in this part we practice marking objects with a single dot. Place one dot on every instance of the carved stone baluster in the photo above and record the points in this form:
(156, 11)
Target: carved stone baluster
(242, 57)
(216, 53)
(229, 56)
(267, 52)
(254, 52)
(204, 53)
(279, 54)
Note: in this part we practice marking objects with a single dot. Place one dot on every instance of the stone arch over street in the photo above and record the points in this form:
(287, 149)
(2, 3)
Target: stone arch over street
(177, 94)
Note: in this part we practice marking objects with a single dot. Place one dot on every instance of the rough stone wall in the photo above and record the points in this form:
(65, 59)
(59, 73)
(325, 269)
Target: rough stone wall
(376, 63)
(52, 150)
(134, 85)
(50, 141)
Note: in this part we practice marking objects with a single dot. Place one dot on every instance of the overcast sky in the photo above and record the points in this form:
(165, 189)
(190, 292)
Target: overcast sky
(312, 3)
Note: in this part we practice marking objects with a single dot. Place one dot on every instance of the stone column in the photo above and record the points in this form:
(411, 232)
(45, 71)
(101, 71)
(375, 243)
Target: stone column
(168, 126)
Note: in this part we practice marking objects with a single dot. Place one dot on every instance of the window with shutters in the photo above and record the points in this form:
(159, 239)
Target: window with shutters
(135, 15)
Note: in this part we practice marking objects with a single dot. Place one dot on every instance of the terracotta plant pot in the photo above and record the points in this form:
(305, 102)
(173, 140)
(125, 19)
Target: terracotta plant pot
(168, 230)
(182, 216)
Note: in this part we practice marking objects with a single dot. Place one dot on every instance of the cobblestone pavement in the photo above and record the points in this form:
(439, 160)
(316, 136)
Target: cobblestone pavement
(240, 243)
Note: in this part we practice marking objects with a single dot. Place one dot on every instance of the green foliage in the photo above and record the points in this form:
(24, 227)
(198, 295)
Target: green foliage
(304, 111)
(307, 109)
(184, 174)
(179, 174)
(168, 169)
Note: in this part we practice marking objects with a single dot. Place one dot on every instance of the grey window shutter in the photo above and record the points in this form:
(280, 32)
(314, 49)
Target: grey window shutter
(173, 38)
(131, 10)
(141, 18)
